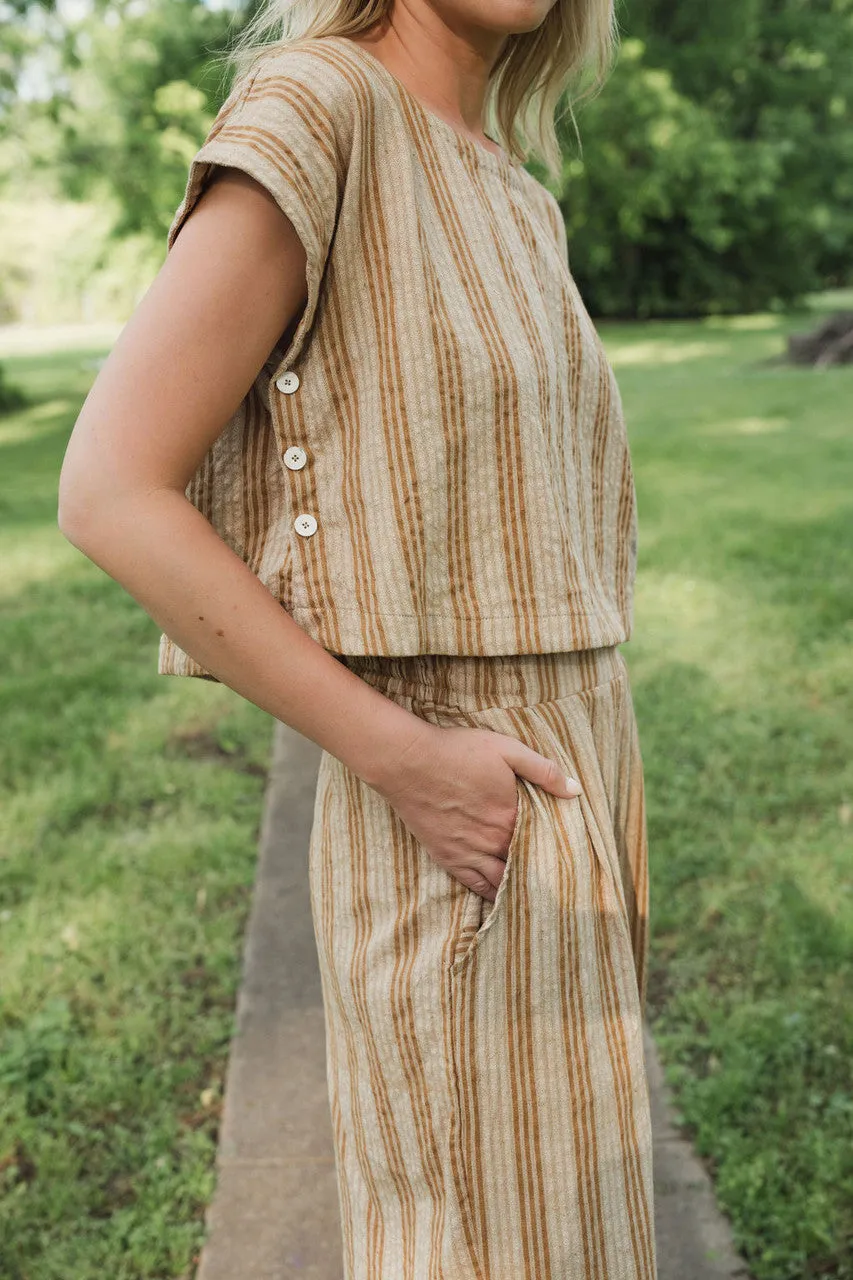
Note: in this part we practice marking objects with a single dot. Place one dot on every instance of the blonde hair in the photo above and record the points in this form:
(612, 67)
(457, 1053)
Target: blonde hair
(565, 59)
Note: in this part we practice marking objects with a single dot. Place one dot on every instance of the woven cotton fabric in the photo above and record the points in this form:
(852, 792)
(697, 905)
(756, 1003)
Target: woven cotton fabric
(467, 464)
(485, 1062)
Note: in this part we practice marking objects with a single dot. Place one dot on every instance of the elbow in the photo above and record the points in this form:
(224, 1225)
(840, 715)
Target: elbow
(71, 529)
(70, 510)
(79, 511)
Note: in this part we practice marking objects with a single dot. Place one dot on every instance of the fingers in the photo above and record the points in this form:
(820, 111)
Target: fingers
(484, 878)
(537, 768)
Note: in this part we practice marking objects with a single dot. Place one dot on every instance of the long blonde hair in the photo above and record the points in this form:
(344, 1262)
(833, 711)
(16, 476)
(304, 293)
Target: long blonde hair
(564, 59)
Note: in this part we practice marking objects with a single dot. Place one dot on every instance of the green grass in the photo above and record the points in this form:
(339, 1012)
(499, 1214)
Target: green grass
(129, 810)
(131, 804)
(742, 665)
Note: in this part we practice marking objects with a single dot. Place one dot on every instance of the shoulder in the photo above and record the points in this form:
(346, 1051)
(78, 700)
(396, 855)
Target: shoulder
(309, 78)
(544, 200)
(289, 121)
(547, 206)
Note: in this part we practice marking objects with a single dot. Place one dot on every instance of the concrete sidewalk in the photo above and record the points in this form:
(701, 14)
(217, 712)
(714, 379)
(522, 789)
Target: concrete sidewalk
(275, 1212)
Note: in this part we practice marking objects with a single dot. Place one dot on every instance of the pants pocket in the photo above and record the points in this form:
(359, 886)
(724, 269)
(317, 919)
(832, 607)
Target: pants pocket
(480, 914)
(546, 1069)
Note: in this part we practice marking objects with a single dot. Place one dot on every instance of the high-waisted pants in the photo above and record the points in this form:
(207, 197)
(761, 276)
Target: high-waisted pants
(485, 1066)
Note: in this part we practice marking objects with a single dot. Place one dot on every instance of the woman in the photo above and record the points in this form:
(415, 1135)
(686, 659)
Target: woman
(360, 454)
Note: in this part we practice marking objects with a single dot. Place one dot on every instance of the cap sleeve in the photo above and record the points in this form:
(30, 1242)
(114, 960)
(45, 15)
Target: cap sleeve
(285, 125)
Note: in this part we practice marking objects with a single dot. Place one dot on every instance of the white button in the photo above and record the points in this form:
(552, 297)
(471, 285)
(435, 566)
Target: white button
(295, 458)
(305, 524)
(287, 382)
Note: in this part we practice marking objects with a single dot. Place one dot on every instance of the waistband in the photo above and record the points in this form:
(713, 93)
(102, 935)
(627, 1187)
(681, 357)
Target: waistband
(472, 683)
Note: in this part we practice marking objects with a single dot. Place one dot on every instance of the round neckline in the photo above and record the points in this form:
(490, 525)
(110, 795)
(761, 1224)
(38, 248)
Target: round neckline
(502, 162)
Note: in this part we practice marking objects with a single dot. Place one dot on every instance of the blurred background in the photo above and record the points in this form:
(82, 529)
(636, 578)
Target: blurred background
(710, 226)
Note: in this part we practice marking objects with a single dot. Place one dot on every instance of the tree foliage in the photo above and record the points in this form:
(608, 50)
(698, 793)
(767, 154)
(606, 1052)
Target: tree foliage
(142, 96)
(134, 86)
(716, 168)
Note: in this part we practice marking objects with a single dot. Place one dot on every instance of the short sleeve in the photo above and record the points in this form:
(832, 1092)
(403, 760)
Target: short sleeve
(288, 125)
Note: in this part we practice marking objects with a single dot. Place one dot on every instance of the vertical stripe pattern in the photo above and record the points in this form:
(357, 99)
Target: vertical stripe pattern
(487, 1079)
(467, 461)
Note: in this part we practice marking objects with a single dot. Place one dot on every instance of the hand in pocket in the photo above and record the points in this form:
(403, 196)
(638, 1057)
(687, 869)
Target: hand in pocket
(455, 789)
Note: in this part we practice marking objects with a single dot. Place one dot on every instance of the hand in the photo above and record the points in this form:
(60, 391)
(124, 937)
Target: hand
(455, 790)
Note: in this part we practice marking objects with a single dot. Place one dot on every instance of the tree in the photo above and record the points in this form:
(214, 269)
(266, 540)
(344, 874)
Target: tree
(717, 164)
(133, 89)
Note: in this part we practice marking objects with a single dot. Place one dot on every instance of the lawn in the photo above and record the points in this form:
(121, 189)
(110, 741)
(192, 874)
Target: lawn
(128, 825)
(742, 662)
(131, 805)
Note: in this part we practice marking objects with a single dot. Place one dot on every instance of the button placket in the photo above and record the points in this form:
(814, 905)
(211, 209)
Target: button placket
(295, 457)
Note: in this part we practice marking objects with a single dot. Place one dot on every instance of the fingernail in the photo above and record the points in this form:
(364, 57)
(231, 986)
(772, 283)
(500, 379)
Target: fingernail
(573, 786)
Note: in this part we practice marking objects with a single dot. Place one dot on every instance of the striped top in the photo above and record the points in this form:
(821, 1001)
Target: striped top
(435, 460)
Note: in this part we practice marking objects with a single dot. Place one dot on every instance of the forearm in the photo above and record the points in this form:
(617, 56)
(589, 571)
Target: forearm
(169, 558)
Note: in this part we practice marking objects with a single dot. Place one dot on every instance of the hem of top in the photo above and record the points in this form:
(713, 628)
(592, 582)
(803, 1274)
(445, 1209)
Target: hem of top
(175, 661)
(576, 616)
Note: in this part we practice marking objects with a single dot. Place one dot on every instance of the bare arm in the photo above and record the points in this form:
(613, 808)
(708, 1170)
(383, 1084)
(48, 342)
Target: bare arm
(179, 370)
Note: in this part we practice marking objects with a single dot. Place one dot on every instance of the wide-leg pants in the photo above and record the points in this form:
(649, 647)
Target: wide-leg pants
(485, 1063)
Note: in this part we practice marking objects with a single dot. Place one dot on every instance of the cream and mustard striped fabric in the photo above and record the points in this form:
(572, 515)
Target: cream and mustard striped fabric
(453, 429)
(485, 1062)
